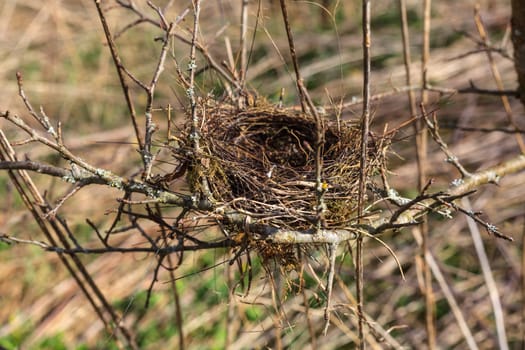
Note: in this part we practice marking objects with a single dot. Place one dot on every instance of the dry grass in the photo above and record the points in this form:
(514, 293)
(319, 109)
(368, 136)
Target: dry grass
(68, 70)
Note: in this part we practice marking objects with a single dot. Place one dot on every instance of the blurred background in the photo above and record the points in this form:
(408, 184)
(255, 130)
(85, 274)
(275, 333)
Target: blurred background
(60, 49)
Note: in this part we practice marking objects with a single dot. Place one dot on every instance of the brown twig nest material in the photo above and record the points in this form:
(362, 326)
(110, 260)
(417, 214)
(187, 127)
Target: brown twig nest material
(260, 161)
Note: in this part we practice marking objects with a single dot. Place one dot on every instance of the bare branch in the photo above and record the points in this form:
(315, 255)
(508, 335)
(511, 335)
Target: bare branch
(433, 127)
(497, 77)
(118, 65)
(363, 159)
(150, 127)
(109, 249)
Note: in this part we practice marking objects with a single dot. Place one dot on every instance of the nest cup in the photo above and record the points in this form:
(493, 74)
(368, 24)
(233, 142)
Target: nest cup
(260, 161)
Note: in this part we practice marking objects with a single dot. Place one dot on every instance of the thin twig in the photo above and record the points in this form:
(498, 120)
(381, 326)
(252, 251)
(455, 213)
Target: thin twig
(150, 127)
(307, 104)
(109, 250)
(406, 56)
(43, 119)
(449, 295)
(359, 100)
(433, 127)
(118, 65)
(242, 44)
(201, 48)
(489, 279)
(365, 124)
(522, 277)
(291, 46)
(192, 67)
(178, 307)
(332, 253)
(497, 76)
(308, 312)
(483, 130)
(421, 156)
(54, 227)
(306, 101)
(405, 217)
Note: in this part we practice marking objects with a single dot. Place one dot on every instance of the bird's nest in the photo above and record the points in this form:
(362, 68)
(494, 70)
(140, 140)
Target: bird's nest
(261, 161)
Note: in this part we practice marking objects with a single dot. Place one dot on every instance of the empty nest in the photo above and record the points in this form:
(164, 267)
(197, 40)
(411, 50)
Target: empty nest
(260, 161)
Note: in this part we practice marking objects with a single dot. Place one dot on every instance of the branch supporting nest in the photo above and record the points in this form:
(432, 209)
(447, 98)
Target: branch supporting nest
(262, 223)
(261, 161)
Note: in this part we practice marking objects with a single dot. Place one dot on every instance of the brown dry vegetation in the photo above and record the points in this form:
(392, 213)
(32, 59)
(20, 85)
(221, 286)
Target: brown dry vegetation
(60, 49)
